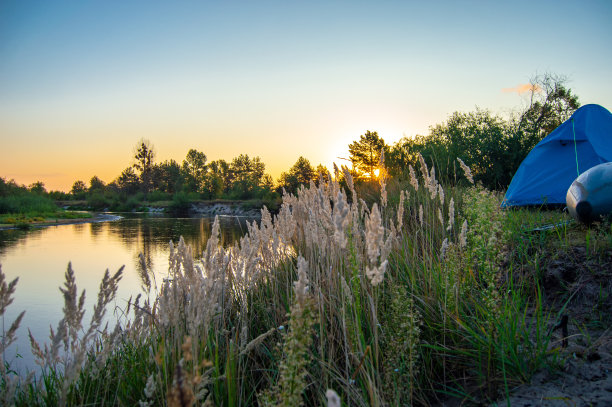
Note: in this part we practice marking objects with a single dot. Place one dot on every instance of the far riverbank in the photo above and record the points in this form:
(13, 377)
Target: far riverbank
(95, 218)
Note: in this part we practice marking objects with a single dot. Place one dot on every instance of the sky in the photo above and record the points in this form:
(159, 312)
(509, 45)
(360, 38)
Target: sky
(82, 82)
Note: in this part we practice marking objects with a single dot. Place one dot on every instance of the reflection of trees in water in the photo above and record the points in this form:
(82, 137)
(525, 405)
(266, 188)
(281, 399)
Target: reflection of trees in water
(152, 236)
(79, 227)
(149, 236)
(13, 237)
(96, 229)
(144, 242)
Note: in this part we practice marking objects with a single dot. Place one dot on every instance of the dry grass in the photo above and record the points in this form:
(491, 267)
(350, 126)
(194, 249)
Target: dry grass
(402, 301)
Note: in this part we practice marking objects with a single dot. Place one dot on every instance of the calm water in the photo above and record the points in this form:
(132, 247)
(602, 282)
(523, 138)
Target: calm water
(40, 257)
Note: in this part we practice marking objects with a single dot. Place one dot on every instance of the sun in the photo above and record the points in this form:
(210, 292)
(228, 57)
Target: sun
(376, 172)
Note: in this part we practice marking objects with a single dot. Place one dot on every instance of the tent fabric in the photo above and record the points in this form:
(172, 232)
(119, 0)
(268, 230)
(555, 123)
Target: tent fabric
(549, 169)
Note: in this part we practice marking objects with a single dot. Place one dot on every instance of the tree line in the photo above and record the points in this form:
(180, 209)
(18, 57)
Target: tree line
(492, 145)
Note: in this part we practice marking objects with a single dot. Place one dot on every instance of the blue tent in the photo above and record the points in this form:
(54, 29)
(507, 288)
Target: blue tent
(581, 142)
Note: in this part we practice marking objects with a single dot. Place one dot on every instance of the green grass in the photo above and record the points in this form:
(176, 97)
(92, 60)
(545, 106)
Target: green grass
(25, 203)
(296, 309)
(41, 217)
(26, 208)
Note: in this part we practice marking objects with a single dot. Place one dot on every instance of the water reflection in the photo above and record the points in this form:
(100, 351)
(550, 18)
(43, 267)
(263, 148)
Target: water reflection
(150, 236)
(39, 258)
(12, 237)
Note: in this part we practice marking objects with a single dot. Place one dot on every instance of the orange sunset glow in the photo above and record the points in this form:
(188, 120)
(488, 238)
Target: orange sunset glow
(79, 86)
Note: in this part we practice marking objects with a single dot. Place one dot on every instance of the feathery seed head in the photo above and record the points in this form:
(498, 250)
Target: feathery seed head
(333, 400)
(300, 287)
(400, 209)
(424, 169)
(466, 170)
(376, 274)
(413, 178)
(463, 235)
(374, 234)
(451, 215)
(421, 214)
(445, 246)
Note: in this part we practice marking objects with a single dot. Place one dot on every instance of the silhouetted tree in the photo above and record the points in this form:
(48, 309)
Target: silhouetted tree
(299, 174)
(320, 174)
(194, 167)
(218, 179)
(246, 175)
(128, 181)
(365, 154)
(78, 189)
(96, 184)
(38, 187)
(550, 103)
(144, 157)
(170, 178)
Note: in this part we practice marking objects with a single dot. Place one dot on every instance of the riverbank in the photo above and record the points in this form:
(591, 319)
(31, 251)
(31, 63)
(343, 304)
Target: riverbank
(99, 217)
(248, 208)
(245, 209)
(223, 208)
(441, 299)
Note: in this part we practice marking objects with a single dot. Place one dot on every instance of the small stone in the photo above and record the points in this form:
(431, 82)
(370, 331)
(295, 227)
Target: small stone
(593, 356)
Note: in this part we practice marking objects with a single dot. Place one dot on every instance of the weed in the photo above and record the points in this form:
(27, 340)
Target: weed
(403, 300)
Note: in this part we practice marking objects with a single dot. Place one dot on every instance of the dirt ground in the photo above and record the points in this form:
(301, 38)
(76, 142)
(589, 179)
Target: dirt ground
(585, 379)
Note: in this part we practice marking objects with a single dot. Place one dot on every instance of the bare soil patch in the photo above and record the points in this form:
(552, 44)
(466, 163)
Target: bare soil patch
(577, 283)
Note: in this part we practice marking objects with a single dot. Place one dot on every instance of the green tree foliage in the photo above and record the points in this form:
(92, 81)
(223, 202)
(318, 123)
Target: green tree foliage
(194, 167)
(7, 188)
(550, 103)
(16, 198)
(128, 182)
(78, 189)
(492, 146)
(144, 158)
(246, 176)
(96, 185)
(482, 140)
(299, 174)
(321, 173)
(38, 187)
(169, 177)
(365, 154)
(218, 179)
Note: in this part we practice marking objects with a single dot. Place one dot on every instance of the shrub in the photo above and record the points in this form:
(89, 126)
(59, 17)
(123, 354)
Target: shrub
(401, 301)
(27, 203)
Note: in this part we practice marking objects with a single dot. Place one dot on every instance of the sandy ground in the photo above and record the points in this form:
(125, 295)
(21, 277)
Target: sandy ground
(586, 375)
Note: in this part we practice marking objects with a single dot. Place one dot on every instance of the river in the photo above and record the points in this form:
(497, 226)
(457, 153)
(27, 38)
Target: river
(39, 257)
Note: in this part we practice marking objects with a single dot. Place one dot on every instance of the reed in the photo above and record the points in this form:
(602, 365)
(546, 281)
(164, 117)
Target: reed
(404, 301)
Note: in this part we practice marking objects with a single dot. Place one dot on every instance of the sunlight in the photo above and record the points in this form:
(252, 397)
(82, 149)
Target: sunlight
(376, 172)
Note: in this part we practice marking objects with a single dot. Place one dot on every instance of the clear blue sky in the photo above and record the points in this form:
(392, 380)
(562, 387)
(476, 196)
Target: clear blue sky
(82, 82)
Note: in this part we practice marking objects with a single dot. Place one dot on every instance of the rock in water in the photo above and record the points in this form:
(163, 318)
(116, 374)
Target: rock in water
(590, 195)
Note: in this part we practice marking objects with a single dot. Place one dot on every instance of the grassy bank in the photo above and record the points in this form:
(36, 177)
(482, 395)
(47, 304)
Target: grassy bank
(425, 293)
(25, 209)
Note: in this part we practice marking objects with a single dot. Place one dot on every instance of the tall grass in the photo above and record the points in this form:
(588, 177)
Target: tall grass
(403, 301)
(27, 203)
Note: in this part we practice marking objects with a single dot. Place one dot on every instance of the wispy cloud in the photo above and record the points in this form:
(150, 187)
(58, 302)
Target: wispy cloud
(523, 88)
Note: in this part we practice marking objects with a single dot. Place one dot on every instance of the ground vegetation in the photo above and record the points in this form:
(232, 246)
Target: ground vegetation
(428, 295)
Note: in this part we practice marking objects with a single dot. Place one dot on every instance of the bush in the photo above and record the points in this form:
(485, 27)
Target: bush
(180, 203)
(158, 196)
(385, 304)
(26, 203)
(97, 201)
